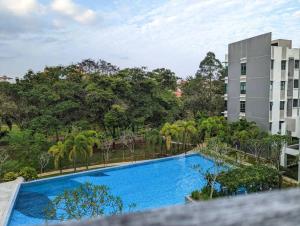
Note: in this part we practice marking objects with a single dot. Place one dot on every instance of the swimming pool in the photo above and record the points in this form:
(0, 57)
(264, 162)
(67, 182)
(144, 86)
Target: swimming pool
(151, 184)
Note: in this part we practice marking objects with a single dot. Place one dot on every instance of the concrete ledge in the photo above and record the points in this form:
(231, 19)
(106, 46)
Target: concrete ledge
(275, 208)
(8, 195)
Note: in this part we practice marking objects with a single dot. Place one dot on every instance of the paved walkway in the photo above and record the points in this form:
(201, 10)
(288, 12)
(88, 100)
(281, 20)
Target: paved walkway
(7, 193)
(80, 169)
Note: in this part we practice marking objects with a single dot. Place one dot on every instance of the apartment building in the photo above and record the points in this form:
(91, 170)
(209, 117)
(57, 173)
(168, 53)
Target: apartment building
(263, 86)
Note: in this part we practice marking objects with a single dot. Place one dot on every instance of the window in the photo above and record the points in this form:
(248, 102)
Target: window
(272, 64)
(271, 106)
(296, 83)
(295, 103)
(243, 68)
(271, 85)
(280, 125)
(225, 105)
(270, 126)
(225, 88)
(281, 105)
(243, 87)
(283, 64)
(296, 64)
(282, 85)
(242, 106)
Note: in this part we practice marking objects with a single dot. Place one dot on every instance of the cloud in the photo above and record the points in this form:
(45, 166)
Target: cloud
(74, 11)
(20, 7)
(155, 33)
(296, 14)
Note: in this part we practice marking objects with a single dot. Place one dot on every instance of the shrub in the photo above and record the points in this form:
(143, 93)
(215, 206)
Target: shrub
(28, 173)
(204, 194)
(196, 195)
(249, 178)
(10, 176)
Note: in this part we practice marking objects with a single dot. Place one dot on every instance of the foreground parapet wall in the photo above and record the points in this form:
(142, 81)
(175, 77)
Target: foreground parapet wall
(275, 208)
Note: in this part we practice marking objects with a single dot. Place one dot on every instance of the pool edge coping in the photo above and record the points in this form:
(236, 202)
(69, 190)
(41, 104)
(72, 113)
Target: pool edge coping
(12, 201)
(112, 167)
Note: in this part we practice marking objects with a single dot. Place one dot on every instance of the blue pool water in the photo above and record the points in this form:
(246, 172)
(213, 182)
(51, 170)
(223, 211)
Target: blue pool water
(149, 185)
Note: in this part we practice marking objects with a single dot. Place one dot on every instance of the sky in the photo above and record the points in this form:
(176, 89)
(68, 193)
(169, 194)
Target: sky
(174, 34)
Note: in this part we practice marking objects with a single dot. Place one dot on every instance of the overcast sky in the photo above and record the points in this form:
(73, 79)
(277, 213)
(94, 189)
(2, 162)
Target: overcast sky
(175, 34)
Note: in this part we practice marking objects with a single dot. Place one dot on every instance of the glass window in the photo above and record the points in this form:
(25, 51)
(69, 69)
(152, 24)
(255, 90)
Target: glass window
(271, 106)
(243, 68)
(272, 64)
(225, 87)
(271, 85)
(281, 105)
(270, 126)
(280, 125)
(225, 105)
(282, 85)
(283, 64)
(295, 103)
(297, 64)
(296, 83)
(243, 87)
(242, 106)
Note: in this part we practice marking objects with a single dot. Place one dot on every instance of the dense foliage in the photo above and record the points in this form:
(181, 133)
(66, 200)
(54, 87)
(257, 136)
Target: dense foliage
(249, 178)
(43, 109)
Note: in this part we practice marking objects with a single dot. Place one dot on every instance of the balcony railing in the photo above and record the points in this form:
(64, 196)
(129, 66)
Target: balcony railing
(275, 208)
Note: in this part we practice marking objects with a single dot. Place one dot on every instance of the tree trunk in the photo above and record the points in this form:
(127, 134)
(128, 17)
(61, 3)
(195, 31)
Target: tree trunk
(87, 163)
(114, 136)
(57, 137)
(60, 166)
(74, 164)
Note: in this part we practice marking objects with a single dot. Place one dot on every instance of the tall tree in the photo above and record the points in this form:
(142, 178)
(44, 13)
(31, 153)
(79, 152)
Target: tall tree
(58, 152)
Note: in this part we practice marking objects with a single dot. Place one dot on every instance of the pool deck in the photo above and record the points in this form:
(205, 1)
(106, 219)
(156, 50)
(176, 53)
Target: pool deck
(7, 194)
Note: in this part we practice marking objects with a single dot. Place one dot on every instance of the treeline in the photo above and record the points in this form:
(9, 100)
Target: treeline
(44, 107)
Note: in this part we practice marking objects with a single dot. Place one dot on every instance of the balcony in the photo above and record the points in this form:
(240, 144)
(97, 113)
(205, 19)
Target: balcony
(293, 125)
(274, 208)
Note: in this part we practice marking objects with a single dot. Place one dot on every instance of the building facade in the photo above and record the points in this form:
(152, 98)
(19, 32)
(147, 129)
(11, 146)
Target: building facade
(263, 86)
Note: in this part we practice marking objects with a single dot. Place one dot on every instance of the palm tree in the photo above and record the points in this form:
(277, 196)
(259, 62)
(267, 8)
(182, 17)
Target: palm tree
(76, 145)
(169, 131)
(58, 152)
(92, 139)
(187, 129)
(153, 139)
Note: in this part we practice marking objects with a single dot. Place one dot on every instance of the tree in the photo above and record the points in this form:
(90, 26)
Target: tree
(26, 146)
(115, 118)
(276, 143)
(106, 145)
(76, 145)
(128, 139)
(257, 147)
(93, 139)
(214, 126)
(86, 201)
(203, 93)
(169, 131)
(166, 78)
(217, 149)
(187, 130)
(3, 157)
(58, 151)
(153, 139)
(44, 160)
